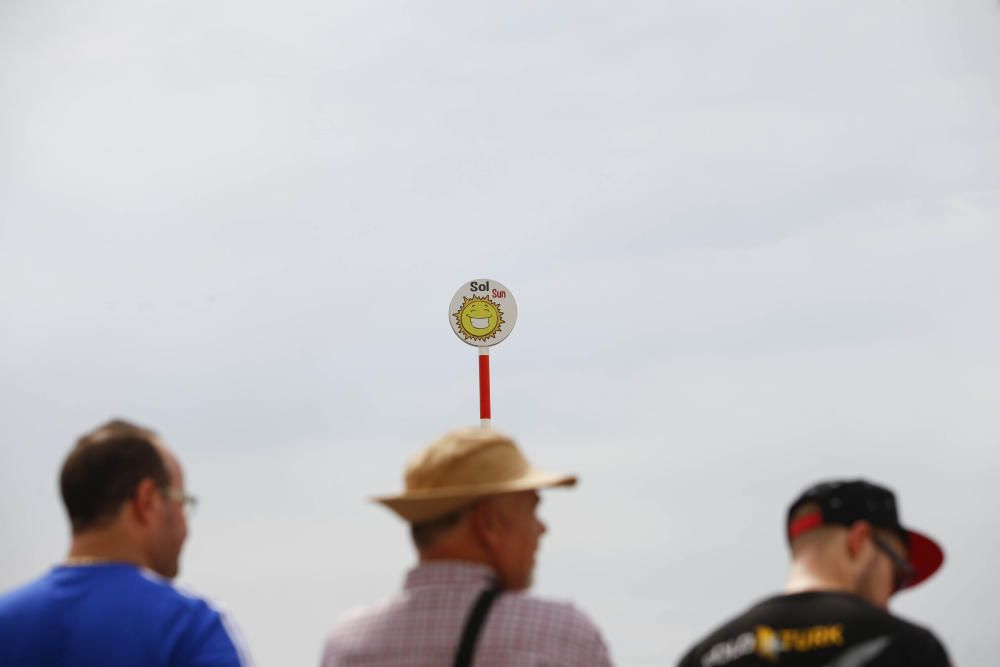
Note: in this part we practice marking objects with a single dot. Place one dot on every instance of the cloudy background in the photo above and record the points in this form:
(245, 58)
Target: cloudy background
(753, 244)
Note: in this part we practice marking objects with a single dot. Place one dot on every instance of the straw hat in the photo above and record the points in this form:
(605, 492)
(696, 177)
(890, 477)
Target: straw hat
(463, 466)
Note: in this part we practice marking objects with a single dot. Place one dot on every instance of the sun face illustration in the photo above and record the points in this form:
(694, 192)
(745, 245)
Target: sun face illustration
(479, 318)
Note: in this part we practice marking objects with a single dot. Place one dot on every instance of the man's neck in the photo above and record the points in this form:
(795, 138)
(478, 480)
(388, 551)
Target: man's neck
(463, 556)
(807, 575)
(105, 545)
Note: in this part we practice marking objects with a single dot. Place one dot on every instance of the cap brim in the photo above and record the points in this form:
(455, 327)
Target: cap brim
(419, 506)
(924, 555)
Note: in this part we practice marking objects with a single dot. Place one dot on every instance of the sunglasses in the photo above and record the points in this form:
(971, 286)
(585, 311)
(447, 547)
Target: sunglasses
(903, 572)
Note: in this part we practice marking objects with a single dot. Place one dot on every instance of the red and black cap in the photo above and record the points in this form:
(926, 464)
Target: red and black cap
(845, 502)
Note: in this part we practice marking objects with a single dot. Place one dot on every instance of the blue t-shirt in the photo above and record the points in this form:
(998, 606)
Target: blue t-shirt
(111, 615)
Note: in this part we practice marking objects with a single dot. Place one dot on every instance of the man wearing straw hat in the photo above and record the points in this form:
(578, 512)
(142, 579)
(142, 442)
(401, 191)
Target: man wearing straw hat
(470, 501)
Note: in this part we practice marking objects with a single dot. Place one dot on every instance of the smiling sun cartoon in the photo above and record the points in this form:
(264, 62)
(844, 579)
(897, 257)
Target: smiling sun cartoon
(479, 318)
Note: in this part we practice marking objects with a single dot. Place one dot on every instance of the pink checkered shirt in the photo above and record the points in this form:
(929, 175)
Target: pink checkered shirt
(421, 626)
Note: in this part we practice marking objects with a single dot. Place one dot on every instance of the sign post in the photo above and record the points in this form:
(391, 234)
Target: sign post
(482, 313)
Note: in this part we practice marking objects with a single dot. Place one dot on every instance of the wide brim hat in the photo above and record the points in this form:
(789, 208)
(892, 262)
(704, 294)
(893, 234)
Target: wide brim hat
(463, 467)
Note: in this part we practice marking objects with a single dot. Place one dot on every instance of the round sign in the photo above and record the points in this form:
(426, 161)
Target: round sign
(482, 312)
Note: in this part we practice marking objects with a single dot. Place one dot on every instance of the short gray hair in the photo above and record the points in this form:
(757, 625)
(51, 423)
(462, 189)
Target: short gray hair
(426, 533)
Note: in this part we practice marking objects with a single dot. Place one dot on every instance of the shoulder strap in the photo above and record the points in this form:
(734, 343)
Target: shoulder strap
(473, 626)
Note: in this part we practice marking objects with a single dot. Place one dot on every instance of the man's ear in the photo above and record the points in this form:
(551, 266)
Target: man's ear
(858, 538)
(486, 522)
(145, 501)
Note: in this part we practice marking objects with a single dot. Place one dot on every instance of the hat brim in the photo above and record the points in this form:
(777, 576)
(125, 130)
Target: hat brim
(924, 555)
(420, 506)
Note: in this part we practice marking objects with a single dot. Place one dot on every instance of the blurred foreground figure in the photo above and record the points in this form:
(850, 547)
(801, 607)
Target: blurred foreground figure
(850, 554)
(470, 501)
(110, 604)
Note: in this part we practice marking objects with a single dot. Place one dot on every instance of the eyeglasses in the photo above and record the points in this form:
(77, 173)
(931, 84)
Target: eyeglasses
(903, 571)
(189, 502)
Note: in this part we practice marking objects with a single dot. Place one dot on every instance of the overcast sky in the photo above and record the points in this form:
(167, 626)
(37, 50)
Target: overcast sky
(753, 244)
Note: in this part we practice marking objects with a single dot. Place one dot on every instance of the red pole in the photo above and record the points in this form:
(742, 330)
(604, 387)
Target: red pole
(484, 385)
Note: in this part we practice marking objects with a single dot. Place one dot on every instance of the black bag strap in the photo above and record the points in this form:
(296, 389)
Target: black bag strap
(474, 625)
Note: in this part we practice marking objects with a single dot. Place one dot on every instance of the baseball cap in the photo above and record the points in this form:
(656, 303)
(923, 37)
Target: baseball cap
(844, 502)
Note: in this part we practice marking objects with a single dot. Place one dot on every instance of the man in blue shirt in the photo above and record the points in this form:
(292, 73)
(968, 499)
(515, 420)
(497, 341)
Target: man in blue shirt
(111, 603)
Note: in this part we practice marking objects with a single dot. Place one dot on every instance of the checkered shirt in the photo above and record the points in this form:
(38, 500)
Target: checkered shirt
(422, 624)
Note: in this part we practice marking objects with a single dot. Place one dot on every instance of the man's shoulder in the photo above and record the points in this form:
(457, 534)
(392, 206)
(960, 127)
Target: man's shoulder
(540, 626)
(123, 601)
(817, 619)
(173, 595)
(514, 618)
(905, 625)
(209, 626)
(24, 596)
(151, 595)
(348, 623)
(518, 606)
(920, 641)
(528, 609)
(126, 588)
(808, 607)
(725, 642)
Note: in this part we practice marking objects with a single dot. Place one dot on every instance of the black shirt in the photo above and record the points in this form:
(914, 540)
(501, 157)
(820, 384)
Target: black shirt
(817, 629)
